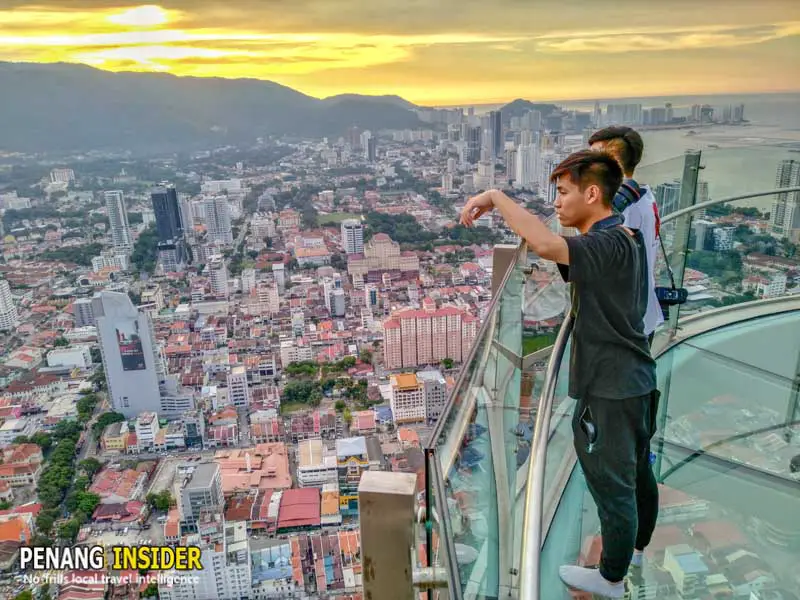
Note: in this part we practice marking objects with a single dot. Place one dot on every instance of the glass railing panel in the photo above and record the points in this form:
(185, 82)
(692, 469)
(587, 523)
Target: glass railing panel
(729, 510)
(742, 250)
(732, 393)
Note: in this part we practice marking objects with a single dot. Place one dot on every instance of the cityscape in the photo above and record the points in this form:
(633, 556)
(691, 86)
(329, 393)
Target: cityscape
(226, 304)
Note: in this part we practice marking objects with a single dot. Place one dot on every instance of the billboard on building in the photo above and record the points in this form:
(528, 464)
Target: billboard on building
(130, 347)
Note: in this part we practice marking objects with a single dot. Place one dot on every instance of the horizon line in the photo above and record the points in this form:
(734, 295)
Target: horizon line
(448, 105)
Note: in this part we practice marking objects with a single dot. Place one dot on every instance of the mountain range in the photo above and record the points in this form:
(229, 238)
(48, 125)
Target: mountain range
(64, 107)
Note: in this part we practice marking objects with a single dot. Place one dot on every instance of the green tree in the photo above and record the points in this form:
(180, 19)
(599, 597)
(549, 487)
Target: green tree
(340, 406)
(69, 530)
(24, 595)
(151, 590)
(104, 421)
(347, 416)
(447, 363)
(60, 342)
(90, 466)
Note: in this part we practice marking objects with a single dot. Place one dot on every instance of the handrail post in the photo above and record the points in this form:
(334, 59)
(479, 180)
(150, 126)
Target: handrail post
(387, 521)
(680, 243)
(503, 257)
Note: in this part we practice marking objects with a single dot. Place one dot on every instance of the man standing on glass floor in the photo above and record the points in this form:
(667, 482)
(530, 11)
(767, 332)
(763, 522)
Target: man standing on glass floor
(612, 374)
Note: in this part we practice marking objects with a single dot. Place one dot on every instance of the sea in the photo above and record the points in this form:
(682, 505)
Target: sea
(736, 159)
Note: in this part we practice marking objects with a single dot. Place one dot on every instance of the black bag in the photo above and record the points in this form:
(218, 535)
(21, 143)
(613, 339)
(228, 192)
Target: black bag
(630, 193)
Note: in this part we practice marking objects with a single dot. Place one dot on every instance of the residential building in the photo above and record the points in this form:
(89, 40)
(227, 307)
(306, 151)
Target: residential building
(238, 388)
(352, 236)
(118, 220)
(407, 399)
(415, 338)
(8, 312)
(218, 220)
(201, 493)
(316, 464)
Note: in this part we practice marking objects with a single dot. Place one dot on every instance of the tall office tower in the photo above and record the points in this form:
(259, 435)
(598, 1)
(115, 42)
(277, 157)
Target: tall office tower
(218, 275)
(472, 152)
(785, 214)
(371, 150)
(218, 220)
(130, 357)
(352, 236)
(172, 252)
(118, 219)
(82, 312)
(496, 127)
(8, 312)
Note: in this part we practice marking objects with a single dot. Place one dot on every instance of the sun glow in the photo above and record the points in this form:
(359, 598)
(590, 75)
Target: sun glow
(141, 16)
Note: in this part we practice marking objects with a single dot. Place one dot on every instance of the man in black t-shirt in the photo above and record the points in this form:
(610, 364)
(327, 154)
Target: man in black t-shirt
(612, 374)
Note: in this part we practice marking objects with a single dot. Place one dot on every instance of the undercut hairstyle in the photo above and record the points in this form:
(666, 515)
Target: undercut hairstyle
(588, 167)
(623, 143)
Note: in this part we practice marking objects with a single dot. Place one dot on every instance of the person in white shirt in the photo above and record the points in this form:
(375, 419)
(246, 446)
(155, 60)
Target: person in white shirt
(637, 205)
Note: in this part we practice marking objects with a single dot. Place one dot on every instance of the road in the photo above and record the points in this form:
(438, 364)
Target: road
(90, 444)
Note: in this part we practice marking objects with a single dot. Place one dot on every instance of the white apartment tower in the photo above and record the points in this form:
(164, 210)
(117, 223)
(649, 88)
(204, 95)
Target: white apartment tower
(118, 219)
(8, 312)
(785, 214)
(238, 390)
(218, 220)
(218, 275)
(353, 236)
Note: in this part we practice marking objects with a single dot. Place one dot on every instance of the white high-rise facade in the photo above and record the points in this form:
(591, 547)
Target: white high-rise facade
(353, 236)
(785, 214)
(132, 362)
(118, 220)
(8, 312)
(218, 220)
(218, 275)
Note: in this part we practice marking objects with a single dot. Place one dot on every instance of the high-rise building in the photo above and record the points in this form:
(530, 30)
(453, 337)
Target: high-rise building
(352, 236)
(218, 275)
(118, 220)
(407, 399)
(201, 493)
(496, 137)
(170, 218)
(785, 214)
(131, 360)
(413, 338)
(82, 312)
(435, 391)
(238, 389)
(8, 312)
(218, 220)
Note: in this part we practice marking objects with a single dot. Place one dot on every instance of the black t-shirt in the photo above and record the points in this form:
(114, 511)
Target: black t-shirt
(610, 356)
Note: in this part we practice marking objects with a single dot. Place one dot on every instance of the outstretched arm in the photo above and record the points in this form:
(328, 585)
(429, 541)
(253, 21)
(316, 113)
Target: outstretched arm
(528, 226)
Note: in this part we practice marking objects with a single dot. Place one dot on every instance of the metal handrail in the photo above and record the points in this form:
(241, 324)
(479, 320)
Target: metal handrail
(532, 520)
(703, 205)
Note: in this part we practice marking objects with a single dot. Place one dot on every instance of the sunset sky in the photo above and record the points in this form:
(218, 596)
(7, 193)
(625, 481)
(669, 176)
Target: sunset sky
(436, 52)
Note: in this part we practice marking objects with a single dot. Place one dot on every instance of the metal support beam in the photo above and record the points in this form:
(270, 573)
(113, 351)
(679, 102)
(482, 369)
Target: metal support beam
(502, 259)
(680, 243)
(387, 521)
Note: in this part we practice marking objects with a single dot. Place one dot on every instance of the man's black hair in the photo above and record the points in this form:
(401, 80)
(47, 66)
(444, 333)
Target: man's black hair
(588, 167)
(622, 142)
